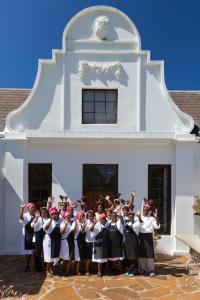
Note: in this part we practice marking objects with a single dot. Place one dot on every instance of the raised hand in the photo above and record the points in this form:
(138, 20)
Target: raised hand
(22, 205)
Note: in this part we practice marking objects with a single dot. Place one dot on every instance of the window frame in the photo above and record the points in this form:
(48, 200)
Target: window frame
(30, 185)
(94, 112)
(169, 190)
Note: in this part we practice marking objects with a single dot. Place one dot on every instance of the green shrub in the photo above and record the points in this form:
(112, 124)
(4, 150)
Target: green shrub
(196, 206)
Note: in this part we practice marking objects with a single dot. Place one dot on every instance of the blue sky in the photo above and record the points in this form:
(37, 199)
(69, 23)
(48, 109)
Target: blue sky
(30, 29)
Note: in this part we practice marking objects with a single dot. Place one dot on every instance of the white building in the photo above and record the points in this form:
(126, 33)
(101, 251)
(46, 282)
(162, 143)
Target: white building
(99, 119)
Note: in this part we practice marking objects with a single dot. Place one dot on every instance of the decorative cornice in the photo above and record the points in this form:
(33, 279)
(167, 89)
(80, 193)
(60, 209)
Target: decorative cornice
(85, 67)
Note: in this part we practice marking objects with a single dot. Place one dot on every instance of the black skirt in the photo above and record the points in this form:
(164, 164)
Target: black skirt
(28, 238)
(89, 247)
(146, 245)
(70, 240)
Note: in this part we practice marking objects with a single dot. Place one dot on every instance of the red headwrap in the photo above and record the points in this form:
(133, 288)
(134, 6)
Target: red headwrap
(30, 205)
(102, 217)
(53, 210)
(80, 214)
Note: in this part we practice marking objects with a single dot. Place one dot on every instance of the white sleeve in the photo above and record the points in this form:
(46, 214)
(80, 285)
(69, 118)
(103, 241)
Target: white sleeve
(155, 225)
(120, 226)
(26, 218)
(97, 229)
(136, 227)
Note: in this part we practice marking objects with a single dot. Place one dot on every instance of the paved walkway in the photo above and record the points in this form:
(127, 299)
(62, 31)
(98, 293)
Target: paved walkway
(170, 283)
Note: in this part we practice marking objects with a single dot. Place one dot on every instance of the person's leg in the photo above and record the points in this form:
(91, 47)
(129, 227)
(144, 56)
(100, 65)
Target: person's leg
(99, 269)
(49, 271)
(150, 266)
(77, 267)
(28, 261)
(142, 265)
(87, 267)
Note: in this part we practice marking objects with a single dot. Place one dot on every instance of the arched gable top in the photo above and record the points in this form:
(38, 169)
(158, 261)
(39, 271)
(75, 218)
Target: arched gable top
(103, 24)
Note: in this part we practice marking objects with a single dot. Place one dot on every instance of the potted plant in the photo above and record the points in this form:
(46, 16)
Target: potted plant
(196, 208)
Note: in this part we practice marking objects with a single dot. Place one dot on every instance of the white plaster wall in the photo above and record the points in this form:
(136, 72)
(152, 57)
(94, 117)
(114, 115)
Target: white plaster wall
(185, 190)
(14, 192)
(67, 161)
(127, 86)
(120, 28)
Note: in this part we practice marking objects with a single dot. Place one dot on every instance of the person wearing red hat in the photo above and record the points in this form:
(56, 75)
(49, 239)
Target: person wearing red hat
(65, 229)
(52, 240)
(28, 232)
(41, 216)
(147, 225)
(115, 242)
(79, 229)
(100, 249)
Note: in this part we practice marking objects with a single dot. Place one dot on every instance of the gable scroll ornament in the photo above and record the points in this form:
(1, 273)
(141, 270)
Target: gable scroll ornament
(86, 67)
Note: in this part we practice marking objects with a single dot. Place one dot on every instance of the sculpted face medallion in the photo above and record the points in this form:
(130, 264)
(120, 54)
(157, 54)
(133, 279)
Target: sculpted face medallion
(101, 27)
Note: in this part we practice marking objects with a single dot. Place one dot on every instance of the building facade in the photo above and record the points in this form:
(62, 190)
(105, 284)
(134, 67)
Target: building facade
(100, 119)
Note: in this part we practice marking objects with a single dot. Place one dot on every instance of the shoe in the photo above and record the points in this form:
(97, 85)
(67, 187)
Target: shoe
(131, 275)
(87, 274)
(126, 274)
(152, 274)
(27, 269)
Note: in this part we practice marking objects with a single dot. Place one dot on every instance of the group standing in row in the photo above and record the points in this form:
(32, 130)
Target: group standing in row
(113, 237)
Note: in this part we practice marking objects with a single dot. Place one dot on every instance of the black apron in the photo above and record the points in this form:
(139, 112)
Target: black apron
(115, 242)
(28, 238)
(39, 236)
(146, 245)
(70, 240)
(55, 236)
(81, 245)
(131, 243)
(101, 244)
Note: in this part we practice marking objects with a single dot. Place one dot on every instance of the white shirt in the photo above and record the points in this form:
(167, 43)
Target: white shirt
(67, 230)
(89, 237)
(135, 226)
(148, 225)
(39, 224)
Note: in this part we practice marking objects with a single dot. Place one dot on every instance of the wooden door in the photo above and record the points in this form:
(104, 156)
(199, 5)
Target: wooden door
(99, 180)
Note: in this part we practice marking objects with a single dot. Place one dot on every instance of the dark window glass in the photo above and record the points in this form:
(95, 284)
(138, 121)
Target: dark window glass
(99, 106)
(159, 178)
(99, 179)
(40, 183)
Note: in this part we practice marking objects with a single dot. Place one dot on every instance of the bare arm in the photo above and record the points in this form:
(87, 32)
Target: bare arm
(63, 229)
(21, 212)
(131, 203)
(47, 225)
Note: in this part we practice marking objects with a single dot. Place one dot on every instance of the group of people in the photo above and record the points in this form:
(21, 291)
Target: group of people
(111, 235)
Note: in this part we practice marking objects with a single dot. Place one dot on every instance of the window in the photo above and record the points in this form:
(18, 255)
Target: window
(99, 179)
(40, 183)
(99, 106)
(159, 177)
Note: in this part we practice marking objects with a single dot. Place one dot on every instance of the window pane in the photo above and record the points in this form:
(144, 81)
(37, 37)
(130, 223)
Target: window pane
(88, 118)
(160, 192)
(88, 107)
(35, 193)
(111, 96)
(88, 96)
(99, 118)
(100, 107)
(100, 96)
(111, 118)
(110, 107)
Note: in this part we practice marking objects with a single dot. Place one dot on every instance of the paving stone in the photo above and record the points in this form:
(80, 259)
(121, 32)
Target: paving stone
(171, 283)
